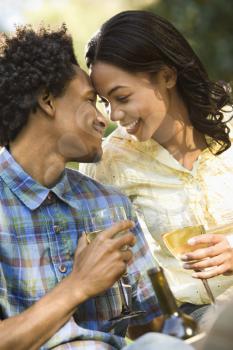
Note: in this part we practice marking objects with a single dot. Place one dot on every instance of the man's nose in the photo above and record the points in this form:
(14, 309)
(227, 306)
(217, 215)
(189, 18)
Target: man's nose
(102, 120)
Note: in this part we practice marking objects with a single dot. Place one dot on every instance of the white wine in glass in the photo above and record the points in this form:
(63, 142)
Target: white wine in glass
(176, 243)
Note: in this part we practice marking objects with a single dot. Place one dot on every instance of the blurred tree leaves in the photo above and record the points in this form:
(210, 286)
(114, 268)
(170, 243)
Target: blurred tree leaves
(208, 26)
(82, 17)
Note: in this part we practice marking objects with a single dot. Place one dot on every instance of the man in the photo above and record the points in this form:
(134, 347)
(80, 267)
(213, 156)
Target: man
(48, 117)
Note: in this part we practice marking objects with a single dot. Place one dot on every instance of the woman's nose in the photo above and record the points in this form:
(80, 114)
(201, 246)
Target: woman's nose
(116, 115)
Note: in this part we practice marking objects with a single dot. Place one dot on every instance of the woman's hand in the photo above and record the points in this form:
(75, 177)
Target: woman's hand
(214, 260)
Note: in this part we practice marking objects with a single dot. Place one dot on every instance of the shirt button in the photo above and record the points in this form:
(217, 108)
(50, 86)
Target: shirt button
(56, 229)
(62, 268)
(50, 198)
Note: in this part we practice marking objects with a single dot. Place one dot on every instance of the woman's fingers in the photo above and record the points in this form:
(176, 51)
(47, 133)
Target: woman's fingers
(215, 271)
(217, 245)
(214, 260)
(206, 238)
(209, 262)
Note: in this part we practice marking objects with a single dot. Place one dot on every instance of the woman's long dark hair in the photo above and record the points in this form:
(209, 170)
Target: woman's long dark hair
(140, 41)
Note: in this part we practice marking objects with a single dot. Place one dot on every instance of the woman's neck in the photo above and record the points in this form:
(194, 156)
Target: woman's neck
(186, 145)
(180, 138)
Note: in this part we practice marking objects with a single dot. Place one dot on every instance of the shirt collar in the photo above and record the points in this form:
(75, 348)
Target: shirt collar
(30, 192)
(151, 147)
(155, 150)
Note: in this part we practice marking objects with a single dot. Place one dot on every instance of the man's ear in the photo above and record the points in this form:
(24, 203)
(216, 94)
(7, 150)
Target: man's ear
(46, 103)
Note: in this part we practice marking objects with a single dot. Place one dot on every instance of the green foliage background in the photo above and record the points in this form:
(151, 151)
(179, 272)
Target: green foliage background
(208, 26)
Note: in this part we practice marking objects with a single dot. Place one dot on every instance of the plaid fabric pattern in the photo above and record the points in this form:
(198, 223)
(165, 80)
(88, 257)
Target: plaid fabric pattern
(39, 232)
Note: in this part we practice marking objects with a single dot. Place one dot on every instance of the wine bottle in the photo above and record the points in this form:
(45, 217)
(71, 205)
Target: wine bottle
(176, 323)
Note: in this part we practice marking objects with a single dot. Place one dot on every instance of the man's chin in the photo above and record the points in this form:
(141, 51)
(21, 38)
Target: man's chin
(91, 158)
(95, 159)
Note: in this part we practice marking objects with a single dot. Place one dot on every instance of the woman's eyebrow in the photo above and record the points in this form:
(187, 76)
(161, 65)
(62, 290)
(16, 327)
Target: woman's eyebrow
(115, 88)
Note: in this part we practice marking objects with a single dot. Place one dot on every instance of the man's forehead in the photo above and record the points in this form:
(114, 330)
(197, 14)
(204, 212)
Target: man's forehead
(83, 82)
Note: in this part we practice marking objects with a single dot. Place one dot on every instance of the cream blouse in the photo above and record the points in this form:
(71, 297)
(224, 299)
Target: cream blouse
(169, 196)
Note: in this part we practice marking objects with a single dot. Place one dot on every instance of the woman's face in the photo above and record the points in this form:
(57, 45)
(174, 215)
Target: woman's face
(136, 101)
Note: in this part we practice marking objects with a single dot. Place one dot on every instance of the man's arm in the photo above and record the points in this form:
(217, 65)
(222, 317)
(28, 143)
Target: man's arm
(33, 327)
(96, 268)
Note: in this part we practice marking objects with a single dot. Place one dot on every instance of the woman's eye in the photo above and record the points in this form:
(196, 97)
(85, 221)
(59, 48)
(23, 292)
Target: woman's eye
(122, 98)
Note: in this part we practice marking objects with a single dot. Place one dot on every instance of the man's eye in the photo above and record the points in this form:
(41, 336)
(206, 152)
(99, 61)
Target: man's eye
(92, 100)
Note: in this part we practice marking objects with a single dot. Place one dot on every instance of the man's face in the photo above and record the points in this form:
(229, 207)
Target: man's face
(79, 125)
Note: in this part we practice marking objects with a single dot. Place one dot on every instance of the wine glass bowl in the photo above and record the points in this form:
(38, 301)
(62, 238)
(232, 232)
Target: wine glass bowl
(176, 240)
(176, 243)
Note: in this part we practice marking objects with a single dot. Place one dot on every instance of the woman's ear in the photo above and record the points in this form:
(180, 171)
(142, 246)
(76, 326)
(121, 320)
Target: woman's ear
(46, 103)
(170, 76)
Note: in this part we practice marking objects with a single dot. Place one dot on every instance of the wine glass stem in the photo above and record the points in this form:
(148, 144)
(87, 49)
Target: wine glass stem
(125, 306)
(208, 291)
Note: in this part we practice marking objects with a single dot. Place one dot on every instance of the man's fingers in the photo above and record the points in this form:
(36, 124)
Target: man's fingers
(126, 255)
(126, 239)
(116, 228)
(82, 243)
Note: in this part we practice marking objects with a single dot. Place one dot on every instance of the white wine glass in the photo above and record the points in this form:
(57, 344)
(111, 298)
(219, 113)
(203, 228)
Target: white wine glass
(176, 243)
(94, 223)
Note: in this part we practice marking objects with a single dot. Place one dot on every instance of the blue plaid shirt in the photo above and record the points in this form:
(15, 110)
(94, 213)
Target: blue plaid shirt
(39, 232)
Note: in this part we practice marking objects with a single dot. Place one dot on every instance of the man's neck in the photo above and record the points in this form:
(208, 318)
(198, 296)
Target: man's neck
(39, 159)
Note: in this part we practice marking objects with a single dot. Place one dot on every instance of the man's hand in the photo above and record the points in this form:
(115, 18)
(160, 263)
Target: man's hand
(217, 258)
(96, 268)
(98, 265)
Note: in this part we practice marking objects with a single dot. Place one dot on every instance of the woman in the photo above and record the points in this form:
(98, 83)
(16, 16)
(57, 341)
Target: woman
(171, 152)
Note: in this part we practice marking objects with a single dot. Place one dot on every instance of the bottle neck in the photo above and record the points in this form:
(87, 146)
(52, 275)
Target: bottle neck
(163, 292)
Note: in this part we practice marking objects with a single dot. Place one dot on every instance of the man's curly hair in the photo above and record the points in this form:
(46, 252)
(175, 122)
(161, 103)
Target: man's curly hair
(31, 62)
